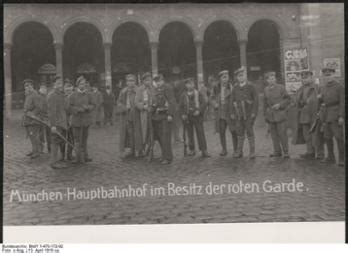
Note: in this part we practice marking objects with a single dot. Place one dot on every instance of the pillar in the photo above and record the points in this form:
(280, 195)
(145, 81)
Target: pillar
(154, 58)
(199, 60)
(59, 59)
(243, 52)
(8, 80)
(108, 70)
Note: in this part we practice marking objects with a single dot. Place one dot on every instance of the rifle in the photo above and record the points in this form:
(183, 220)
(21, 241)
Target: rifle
(149, 150)
(45, 123)
(184, 130)
(317, 119)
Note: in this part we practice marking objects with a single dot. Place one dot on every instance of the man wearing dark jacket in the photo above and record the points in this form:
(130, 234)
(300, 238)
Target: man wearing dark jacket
(109, 101)
(192, 107)
(244, 109)
(57, 119)
(80, 104)
(163, 109)
(32, 107)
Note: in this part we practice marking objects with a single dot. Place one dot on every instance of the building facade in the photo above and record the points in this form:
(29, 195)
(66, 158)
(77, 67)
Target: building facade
(105, 41)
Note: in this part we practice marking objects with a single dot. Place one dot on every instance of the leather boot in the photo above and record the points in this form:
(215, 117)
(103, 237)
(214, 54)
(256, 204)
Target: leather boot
(330, 152)
(239, 152)
(54, 153)
(251, 140)
(340, 147)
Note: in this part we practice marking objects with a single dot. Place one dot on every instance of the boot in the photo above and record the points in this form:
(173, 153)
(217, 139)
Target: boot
(77, 159)
(223, 144)
(340, 147)
(205, 154)
(191, 153)
(239, 151)
(54, 153)
(251, 140)
(330, 152)
(234, 142)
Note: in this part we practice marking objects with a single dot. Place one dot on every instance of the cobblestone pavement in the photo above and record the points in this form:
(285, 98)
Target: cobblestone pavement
(321, 200)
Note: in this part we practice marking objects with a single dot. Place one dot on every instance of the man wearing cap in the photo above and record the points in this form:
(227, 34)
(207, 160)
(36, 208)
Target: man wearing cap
(276, 101)
(163, 109)
(57, 119)
(244, 110)
(221, 100)
(307, 106)
(108, 103)
(32, 107)
(130, 128)
(143, 101)
(332, 99)
(68, 90)
(192, 108)
(80, 105)
(45, 132)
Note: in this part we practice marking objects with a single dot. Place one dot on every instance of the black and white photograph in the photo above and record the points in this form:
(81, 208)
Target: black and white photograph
(180, 113)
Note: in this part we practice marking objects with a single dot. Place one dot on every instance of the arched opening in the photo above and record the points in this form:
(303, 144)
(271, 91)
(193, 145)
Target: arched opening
(177, 52)
(220, 48)
(32, 48)
(130, 52)
(83, 53)
(263, 49)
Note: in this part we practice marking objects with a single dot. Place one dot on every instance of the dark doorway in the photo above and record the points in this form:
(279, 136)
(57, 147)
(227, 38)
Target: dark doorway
(83, 53)
(177, 52)
(130, 52)
(263, 49)
(220, 48)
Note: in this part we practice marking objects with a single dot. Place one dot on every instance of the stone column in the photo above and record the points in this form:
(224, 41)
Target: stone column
(199, 60)
(108, 70)
(59, 59)
(154, 57)
(8, 80)
(243, 52)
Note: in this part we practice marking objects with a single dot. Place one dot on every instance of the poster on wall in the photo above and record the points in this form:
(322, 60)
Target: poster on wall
(295, 61)
(333, 63)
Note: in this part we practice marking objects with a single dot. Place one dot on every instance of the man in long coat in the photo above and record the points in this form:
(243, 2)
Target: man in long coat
(32, 107)
(108, 104)
(143, 100)
(131, 143)
(307, 106)
(57, 120)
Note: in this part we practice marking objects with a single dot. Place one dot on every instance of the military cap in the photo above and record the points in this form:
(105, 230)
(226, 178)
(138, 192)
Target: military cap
(158, 77)
(223, 72)
(188, 80)
(241, 69)
(146, 75)
(306, 73)
(130, 76)
(28, 81)
(328, 69)
(269, 73)
(80, 79)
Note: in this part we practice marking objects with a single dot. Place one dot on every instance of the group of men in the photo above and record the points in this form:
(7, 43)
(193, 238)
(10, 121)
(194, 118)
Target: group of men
(146, 112)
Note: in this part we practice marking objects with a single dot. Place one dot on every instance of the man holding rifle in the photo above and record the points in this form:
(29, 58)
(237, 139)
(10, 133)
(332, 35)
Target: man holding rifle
(244, 110)
(163, 108)
(192, 107)
(32, 107)
(143, 100)
(332, 100)
(57, 120)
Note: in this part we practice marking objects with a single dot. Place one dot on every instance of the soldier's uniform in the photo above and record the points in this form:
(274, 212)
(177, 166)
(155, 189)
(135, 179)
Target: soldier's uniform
(332, 99)
(80, 104)
(57, 118)
(244, 109)
(307, 105)
(45, 131)
(221, 99)
(108, 103)
(276, 101)
(68, 90)
(33, 107)
(163, 108)
(192, 107)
